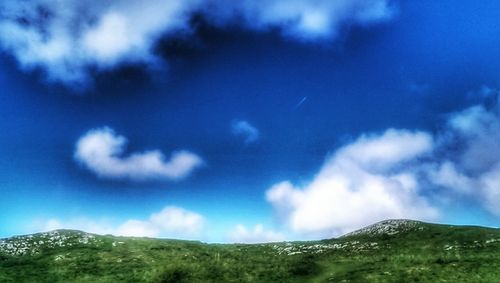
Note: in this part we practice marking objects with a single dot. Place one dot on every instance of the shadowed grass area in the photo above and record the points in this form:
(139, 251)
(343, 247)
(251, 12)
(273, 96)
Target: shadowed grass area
(397, 251)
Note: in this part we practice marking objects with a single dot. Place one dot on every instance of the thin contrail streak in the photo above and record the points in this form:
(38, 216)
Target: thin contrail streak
(300, 102)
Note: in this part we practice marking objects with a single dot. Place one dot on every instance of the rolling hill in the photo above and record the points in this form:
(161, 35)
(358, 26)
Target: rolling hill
(388, 251)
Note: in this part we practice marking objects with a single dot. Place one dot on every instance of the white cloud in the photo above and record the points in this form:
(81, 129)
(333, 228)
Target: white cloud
(101, 151)
(177, 220)
(374, 152)
(240, 234)
(67, 38)
(245, 129)
(490, 190)
(447, 175)
(362, 183)
(170, 222)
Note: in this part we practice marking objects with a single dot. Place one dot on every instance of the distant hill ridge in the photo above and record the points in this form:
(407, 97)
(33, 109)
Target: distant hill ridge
(397, 250)
(384, 227)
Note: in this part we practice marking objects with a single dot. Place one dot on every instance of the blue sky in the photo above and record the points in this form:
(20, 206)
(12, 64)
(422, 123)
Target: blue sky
(286, 120)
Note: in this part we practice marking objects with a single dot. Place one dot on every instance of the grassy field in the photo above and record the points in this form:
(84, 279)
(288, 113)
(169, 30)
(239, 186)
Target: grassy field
(390, 251)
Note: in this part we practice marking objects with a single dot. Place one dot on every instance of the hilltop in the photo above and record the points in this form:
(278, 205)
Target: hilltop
(388, 251)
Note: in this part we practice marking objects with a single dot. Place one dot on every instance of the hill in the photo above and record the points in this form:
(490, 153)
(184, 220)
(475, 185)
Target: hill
(389, 251)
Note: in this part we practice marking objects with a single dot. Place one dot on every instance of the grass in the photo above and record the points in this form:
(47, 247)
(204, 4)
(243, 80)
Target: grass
(419, 252)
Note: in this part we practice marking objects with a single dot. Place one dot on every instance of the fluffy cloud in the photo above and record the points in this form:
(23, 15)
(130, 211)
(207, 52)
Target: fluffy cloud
(101, 151)
(246, 130)
(363, 182)
(240, 234)
(170, 222)
(67, 39)
(177, 220)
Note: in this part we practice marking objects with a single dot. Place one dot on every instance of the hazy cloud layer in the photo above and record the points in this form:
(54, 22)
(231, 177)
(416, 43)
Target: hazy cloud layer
(170, 222)
(102, 152)
(69, 38)
(241, 234)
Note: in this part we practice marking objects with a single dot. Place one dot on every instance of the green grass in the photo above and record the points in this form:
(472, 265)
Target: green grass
(415, 252)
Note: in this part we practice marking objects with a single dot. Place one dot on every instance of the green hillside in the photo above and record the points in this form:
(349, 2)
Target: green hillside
(389, 251)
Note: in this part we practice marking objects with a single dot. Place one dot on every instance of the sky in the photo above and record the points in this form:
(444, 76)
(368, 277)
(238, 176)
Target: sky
(247, 122)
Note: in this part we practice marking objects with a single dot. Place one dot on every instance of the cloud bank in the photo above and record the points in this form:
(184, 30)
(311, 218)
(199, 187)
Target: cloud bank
(69, 39)
(389, 175)
(101, 151)
(246, 130)
(170, 222)
(362, 183)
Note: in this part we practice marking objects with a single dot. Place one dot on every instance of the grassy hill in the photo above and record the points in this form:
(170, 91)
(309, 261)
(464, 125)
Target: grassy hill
(389, 251)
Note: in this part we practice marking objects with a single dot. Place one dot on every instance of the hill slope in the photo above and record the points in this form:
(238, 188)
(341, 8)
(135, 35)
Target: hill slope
(389, 251)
